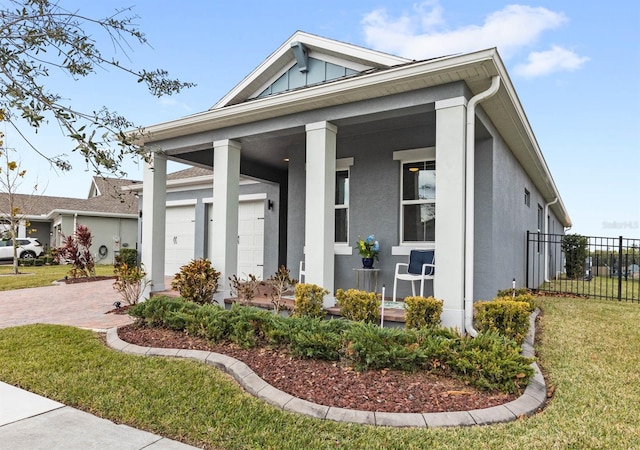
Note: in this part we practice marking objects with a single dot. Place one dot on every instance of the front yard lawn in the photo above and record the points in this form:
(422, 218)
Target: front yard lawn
(589, 351)
(36, 276)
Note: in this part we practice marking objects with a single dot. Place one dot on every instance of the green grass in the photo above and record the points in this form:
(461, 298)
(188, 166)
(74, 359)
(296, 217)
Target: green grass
(589, 350)
(599, 286)
(35, 276)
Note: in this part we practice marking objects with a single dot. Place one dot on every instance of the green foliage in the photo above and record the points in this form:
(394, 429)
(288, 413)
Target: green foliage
(159, 311)
(130, 282)
(308, 301)
(575, 251)
(493, 362)
(39, 36)
(197, 281)
(505, 316)
(372, 347)
(422, 312)
(490, 361)
(249, 326)
(128, 256)
(315, 338)
(360, 306)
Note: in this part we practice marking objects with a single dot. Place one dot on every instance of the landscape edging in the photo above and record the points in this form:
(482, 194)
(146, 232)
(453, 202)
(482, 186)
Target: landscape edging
(531, 400)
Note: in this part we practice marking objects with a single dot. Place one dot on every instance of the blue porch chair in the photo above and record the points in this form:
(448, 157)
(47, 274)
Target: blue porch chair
(421, 267)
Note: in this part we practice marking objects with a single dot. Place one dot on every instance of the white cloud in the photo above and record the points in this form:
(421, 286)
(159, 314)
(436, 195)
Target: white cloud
(167, 102)
(550, 61)
(423, 33)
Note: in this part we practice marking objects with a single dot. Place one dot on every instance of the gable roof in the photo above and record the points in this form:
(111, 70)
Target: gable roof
(382, 75)
(353, 57)
(105, 198)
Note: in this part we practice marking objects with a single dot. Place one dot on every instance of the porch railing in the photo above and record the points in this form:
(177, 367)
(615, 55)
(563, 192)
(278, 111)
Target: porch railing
(610, 268)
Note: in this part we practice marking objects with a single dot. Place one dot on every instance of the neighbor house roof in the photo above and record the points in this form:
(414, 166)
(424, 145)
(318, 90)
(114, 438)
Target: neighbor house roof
(105, 197)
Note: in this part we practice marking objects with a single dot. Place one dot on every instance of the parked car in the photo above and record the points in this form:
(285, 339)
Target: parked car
(27, 248)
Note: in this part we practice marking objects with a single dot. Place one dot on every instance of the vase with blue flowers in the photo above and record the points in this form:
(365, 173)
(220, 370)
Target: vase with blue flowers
(369, 249)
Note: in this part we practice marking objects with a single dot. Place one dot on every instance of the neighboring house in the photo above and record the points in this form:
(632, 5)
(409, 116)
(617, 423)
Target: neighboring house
(189, 221)
(110, 214)
(357, 141)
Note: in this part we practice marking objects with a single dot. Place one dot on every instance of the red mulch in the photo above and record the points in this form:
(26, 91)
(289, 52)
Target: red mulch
(86, 279)
(331, 383)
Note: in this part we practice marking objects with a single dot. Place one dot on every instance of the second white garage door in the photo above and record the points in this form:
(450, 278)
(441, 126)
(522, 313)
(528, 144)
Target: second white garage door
(250, 238)
(179, 237)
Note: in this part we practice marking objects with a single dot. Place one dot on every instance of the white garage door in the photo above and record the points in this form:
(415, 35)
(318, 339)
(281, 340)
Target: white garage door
(250, 238)
(179, 237)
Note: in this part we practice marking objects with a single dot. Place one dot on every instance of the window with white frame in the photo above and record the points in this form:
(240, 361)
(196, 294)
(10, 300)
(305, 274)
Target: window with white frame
(342, 201)
(417, 195)
(342, 206)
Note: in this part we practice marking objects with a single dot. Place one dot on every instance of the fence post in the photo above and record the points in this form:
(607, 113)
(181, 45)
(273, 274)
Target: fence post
(620, 268)
(526, 273)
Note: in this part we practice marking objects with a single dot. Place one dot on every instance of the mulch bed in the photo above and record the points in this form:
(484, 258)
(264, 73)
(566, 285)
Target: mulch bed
(332, 384)
(86, 279)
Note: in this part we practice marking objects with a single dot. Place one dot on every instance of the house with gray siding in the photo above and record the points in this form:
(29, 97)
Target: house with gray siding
(433, 154)
(110, 214)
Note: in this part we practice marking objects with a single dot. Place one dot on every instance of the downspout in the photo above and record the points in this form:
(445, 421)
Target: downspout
(469, 201)
(546, 239)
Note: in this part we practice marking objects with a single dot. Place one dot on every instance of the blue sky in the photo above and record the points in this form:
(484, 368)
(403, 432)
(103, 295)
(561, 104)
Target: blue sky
(575, 66)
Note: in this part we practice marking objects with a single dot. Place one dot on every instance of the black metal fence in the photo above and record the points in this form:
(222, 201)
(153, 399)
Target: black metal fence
(606, 267)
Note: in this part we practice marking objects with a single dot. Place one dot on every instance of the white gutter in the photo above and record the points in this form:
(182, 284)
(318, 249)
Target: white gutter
(546, 240)
(469, 202)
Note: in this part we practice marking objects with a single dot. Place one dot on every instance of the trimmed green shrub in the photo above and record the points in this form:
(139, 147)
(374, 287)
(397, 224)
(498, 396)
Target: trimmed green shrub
(197, 281)
(249, 326)
(209, 322)
(490, 361)
(128, 256)
(155, 311)
(422, 312)
(359, 306)
(504, 316)
(316, 338)
(575, 248)
(372, 347)
(308, 301)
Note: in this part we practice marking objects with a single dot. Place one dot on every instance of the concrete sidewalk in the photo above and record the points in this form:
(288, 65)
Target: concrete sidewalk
(29, 421)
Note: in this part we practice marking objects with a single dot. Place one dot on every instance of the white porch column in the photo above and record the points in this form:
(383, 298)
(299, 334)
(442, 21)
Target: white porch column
(320, 206)
(154, 195)
(226, 180)
(450, 209)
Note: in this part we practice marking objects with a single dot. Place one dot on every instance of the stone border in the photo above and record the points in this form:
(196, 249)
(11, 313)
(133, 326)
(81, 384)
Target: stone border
(527, 404)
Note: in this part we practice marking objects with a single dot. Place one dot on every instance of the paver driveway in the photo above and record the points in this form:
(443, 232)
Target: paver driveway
(82, 305)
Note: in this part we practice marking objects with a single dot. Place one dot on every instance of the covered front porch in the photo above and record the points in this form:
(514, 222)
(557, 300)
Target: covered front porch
(338, 179)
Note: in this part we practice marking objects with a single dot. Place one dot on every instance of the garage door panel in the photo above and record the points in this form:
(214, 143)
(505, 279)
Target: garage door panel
(250, 238)
(179, 237)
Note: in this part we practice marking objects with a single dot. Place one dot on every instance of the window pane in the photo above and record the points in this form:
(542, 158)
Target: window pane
(342, 187)
(419, 222)
(342, 225)
(419, 180)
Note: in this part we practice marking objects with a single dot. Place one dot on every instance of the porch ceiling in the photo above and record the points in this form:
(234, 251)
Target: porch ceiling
(273, 149)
